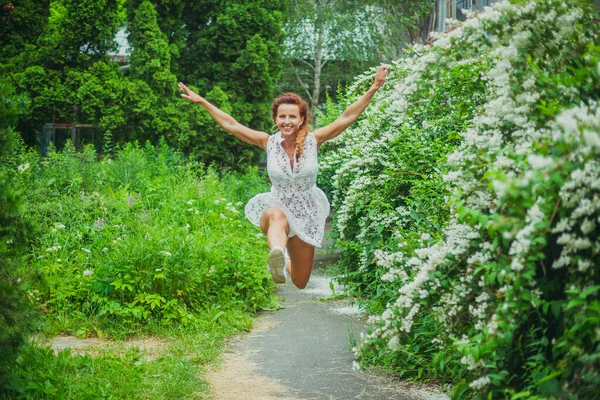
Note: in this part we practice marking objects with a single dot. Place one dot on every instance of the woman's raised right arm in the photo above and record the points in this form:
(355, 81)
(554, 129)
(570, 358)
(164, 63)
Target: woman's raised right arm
(226, 121)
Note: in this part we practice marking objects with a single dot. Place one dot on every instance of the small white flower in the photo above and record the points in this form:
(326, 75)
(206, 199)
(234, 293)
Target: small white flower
(394, 343)
(166, 253)
(86, 250)
(88, 272)
(105, 249)
(190, 202)
(539, 162)
(23, 167)
(480, 383)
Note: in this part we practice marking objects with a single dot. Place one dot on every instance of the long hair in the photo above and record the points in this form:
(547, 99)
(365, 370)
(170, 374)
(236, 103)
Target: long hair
(291, 98)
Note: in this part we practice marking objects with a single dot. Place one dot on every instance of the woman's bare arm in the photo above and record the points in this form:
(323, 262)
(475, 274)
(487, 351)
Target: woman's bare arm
(352, 113)
(226, 121)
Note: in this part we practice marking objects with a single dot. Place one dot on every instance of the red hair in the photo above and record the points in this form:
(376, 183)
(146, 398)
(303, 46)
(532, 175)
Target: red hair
(291, 98)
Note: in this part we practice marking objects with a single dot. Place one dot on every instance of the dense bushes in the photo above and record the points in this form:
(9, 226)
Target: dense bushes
(15, 231)
(141, 242)
(58, 52)
(143, 239)
(496, 287)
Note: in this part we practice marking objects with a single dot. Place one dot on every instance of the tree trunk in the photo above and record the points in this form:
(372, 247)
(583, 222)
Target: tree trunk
(318, 67)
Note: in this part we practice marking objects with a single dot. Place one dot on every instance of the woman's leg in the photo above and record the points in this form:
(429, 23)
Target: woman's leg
(301, 261)
(274, 224)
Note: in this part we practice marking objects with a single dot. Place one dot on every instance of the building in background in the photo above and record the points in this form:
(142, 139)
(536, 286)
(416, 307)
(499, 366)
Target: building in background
(445, 9)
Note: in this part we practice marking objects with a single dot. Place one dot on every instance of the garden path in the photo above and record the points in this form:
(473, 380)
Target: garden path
(302, 351)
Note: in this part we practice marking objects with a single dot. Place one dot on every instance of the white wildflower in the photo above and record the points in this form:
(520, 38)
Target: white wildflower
(480, 383)
(539, 162)
(23, 167)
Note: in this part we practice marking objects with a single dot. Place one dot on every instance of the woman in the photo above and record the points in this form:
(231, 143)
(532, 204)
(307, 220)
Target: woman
(293, 214)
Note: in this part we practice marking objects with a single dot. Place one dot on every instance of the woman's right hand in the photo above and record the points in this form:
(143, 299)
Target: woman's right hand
(188, 94)
(380, 76)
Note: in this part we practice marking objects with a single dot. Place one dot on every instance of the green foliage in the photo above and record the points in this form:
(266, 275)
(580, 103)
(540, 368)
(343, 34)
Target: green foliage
(329, 42)
(403, 18)
(484, 267)
(120, 370)
(150, 59)
(407, 160)
(119, 249)
(51, 67)
(15, 232)
(101, 91)
(87, 31)
(221, 49)
(21, 24)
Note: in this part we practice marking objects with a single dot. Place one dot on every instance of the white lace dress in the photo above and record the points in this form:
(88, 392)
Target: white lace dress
(293, 191)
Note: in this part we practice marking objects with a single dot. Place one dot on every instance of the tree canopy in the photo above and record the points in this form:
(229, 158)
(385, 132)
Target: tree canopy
(329, 42)
(58, 51)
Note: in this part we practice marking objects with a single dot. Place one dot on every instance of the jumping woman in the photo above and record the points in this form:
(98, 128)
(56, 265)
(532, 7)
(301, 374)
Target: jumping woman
(292, 215)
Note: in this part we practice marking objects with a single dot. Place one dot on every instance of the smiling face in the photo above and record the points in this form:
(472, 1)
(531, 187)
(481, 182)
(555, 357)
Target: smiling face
(288, 119)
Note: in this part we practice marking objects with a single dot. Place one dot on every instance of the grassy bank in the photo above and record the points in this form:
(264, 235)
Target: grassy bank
(140, 244)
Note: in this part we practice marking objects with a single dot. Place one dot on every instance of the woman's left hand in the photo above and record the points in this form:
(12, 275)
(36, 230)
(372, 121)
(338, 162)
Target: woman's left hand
(380, 76)
(189, 94)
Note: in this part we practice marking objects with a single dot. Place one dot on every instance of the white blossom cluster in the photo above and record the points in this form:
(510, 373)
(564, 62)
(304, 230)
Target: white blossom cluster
(505, 156)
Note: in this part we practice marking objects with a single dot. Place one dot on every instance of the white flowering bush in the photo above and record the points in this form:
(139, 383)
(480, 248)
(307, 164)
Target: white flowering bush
(495, 287)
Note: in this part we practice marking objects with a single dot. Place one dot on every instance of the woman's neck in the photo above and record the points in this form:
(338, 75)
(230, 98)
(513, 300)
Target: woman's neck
(289, 143)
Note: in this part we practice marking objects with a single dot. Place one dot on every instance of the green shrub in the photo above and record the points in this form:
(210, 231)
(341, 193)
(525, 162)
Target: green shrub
(15, 313)
(141, 241)
(118, 370)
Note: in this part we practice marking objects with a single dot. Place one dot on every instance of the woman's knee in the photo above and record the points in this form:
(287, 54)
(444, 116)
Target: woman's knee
(301, 272)
(300, 283)
(273, 215)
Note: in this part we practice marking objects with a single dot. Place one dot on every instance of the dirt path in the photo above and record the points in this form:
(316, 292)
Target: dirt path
(303, 352)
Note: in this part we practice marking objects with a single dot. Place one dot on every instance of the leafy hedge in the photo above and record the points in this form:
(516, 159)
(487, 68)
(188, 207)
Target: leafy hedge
(15, 231)
(138, 241)
(57, 51)
(468, 203)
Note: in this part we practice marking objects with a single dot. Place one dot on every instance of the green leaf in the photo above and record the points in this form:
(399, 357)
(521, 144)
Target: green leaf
(549, 377)
(589, 291)
(575, 303)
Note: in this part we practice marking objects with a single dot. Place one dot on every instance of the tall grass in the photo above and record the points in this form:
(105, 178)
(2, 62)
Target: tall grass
(141, 243)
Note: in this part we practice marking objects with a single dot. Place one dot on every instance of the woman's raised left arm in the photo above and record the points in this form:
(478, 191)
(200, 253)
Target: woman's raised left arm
(352, 113)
